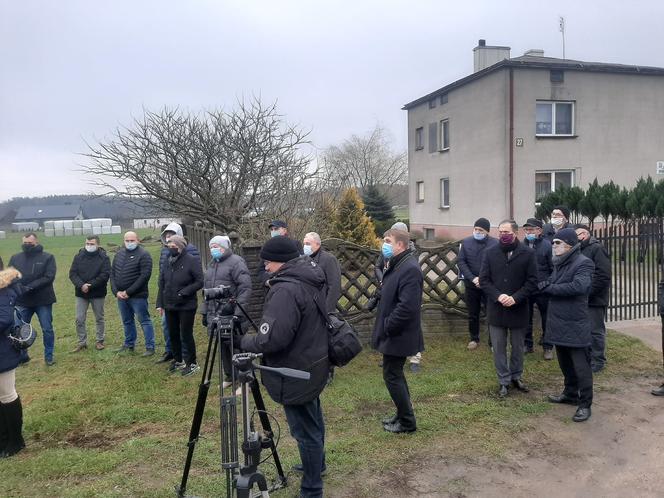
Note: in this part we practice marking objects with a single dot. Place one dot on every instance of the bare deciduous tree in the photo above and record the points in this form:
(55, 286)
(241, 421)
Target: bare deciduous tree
(365, 161)
(230, 169)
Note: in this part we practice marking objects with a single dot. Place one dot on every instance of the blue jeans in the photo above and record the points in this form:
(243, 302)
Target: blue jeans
(136, 306)
(307, 427)
(167, 336)
(45, 317)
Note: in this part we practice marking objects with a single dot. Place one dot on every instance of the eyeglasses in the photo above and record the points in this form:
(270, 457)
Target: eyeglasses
(557, 242)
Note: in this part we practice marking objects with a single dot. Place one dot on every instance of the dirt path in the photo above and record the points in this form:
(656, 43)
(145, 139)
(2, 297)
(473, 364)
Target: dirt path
(619, 452)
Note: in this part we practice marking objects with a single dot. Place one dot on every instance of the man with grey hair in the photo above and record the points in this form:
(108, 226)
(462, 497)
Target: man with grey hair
(508, 276)
(330, 266)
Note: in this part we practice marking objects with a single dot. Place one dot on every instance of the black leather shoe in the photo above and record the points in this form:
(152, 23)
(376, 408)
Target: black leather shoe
(502, 392)
(397, 428)
(581, 415)
(520, 385)
(659, 391)
(390, 420)
(563, 398)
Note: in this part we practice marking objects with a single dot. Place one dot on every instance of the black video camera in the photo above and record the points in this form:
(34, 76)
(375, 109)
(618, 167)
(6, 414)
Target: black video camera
(223, 310)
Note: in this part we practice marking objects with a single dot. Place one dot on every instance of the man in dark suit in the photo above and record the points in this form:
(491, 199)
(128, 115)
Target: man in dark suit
(508, 277)
(398, 331)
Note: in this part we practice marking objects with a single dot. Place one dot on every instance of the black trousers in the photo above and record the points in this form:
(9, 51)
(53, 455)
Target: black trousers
(575, 365)
(474, 299)
(542, 303)
(181, 329)
(395, 381)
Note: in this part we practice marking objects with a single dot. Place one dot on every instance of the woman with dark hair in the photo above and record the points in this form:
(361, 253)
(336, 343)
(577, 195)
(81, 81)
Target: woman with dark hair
(11, 411)
(179, 280)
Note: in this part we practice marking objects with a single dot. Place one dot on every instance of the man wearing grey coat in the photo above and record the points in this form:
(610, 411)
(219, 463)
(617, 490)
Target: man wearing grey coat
(330, 266)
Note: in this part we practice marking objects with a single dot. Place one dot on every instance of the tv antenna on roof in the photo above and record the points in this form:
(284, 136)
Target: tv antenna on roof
(561, 21)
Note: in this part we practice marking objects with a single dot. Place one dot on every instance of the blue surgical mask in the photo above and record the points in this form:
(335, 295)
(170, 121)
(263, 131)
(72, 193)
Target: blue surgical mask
(216, 253)
(274, 233)
(479, 236)
(387, 250)
(308, 251)
(531, 236)
(131, 246)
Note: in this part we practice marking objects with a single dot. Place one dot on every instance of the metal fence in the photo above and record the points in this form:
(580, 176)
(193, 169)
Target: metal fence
(635, 250)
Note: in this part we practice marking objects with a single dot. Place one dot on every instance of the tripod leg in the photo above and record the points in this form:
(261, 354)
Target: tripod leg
(267, 427)
(203, 389)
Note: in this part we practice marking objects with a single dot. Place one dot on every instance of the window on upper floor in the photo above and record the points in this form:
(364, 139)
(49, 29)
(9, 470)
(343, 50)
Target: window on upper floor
(557, 76)
(444, 134)
(443, 99)
(444, 192)
(419, 138)
(432, 103)
(550, 181)
(433, 137)
(419, 191)
(554, 119)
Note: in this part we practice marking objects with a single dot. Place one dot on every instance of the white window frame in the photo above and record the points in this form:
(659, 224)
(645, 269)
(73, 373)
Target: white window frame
(553, 103)
(442, 193)
(553, 172)
(419, 191)
(441, 136)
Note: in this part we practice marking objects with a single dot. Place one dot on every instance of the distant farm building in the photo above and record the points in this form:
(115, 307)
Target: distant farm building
(154, 223)
(39, 214)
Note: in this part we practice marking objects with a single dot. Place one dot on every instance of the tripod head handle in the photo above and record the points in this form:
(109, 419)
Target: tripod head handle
(245, 361)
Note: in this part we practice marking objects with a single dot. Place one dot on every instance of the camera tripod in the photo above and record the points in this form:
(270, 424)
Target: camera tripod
(239, 477)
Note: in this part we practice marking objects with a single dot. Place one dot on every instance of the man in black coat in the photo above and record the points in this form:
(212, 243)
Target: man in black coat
(508, 277)
(38, 270)
(469, 262)
(330, 266)
(542, 247)
(398, 330)
(568, 321)
(89, 273)
(130, 274)
(293, 334)
(598, 299)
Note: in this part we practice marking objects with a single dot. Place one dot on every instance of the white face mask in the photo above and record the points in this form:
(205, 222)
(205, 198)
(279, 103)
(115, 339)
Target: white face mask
(557, 221)
(90, 248)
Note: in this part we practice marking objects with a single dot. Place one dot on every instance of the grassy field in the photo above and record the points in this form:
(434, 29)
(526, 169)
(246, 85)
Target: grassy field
(99, 424)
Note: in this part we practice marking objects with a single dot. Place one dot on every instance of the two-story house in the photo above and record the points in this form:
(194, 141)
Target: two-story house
(492, 143)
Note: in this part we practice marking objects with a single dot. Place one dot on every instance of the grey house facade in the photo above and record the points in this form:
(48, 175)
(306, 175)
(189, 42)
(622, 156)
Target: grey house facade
(495, 141)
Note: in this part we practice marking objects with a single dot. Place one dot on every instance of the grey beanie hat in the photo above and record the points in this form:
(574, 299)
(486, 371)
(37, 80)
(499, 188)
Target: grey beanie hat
(179, 241)
(222, 240)
(400, 225)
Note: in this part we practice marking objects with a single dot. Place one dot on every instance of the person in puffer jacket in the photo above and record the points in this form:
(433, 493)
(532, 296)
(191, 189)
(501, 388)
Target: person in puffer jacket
(170, 230)
(11, 411)
(568, 320)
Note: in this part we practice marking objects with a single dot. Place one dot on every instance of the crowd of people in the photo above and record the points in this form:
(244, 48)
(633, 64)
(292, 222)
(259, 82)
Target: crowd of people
(557, 268)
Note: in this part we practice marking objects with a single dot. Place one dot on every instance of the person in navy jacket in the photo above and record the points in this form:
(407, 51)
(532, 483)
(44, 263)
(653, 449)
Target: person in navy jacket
(397, 332)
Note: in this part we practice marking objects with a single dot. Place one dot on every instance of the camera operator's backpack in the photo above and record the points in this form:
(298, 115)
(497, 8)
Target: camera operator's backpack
(343, 343)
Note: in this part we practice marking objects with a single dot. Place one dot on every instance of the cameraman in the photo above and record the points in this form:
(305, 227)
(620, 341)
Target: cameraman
(230, 270)
(293, 334)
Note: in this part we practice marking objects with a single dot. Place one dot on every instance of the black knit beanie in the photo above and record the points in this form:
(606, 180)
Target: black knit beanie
(280, 249)
(483, 223)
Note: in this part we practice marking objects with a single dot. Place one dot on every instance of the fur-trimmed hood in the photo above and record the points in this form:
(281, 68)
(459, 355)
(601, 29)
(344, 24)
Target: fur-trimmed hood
(8, 276)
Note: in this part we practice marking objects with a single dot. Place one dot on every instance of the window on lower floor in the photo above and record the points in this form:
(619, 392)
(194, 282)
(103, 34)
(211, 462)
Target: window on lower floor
(550, 181)
(419, 191)
(419, 138)
(429, 234)
(554, 119)
(444, 192)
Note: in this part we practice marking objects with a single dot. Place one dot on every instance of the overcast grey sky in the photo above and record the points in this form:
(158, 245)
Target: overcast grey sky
(73, 70)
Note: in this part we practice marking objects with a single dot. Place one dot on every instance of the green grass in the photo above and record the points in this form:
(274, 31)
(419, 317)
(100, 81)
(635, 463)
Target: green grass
(100, 424)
